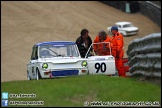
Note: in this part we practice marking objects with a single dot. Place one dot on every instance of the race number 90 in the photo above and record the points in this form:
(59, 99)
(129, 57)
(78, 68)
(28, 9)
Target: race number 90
(101, 67)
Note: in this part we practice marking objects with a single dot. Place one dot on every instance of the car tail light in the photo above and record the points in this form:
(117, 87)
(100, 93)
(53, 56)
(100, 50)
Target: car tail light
(46, 73)
(83, 71)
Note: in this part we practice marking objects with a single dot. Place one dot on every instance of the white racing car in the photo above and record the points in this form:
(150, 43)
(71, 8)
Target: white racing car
(98, 64)
(55, 59)
(125, 28)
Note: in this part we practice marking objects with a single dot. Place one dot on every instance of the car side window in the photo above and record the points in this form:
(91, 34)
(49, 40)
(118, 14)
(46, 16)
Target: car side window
(119, 26)
(34, 54)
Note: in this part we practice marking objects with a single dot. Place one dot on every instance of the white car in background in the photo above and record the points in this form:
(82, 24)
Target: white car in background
(55, 59)
(125, 28)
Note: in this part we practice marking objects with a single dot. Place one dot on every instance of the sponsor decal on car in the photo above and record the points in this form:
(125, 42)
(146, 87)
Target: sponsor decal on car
(58, 45)
(99, 58)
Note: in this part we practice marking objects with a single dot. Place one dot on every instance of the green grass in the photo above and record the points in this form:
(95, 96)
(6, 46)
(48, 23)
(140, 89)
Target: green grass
(74, 91)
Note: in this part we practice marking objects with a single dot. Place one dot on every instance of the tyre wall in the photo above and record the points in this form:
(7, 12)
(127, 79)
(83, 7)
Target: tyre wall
(144, 56)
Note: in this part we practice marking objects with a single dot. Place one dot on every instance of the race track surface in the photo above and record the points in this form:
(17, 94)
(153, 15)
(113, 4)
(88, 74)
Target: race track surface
(24, 23)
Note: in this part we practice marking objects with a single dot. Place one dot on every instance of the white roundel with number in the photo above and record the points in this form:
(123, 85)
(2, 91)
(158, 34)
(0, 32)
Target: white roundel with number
(101, 65)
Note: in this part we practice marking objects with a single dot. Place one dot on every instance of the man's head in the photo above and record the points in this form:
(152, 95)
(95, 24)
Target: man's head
(114, 29)
(102, 35)
(84, 33)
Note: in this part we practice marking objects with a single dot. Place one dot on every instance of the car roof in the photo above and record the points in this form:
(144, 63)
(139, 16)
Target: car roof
(123, 22)
(55, 42)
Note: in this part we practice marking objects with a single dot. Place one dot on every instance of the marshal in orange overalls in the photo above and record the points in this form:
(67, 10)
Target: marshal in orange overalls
(104, 48)
(118, 52)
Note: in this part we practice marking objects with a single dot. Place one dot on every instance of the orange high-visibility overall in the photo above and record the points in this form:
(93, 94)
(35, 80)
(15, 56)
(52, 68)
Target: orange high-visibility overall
(118, 52)
(102, 49)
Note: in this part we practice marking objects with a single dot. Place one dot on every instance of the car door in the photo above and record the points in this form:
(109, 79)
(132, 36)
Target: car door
(121, 29)
(101, 64)
(33, 62)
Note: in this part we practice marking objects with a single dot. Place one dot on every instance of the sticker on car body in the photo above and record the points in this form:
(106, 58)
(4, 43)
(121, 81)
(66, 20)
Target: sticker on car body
(58, 45)
(99, 58)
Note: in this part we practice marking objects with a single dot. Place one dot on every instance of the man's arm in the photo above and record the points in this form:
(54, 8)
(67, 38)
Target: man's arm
(119, 40)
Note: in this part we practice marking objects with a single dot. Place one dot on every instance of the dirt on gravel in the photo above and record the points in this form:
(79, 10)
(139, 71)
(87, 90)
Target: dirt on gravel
(24, 23)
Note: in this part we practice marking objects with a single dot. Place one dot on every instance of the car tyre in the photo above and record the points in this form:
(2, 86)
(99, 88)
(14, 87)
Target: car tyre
(38, 76)
(28, 77)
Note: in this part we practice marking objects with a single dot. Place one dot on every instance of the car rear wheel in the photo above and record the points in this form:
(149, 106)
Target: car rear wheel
(38, 76)
(28, 77)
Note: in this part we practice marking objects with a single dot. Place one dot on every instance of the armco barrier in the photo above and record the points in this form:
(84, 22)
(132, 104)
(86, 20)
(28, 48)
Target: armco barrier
(144, 56)
(151, 9)
(125, 6)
